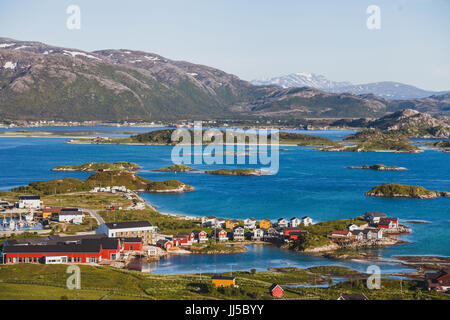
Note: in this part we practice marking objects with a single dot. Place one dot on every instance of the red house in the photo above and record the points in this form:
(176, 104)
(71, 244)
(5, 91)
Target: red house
(341, 234)
(183, 239)
(165, 244)
(200, 236)
(388, 223)
(276, 291)
(293, 233)
(132, 244)
(87, 251)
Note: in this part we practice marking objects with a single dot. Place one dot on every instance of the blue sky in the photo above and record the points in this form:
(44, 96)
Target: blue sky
(257, 38)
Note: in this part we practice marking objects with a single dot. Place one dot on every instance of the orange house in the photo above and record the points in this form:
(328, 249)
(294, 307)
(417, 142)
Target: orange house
(230, 224)
(48, 212)
(264, 224)
(220, 281)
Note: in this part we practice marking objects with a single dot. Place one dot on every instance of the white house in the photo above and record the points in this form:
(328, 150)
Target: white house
(306, 221)
(141, 229)
(29, 202)
(294, 222)
(257, 234)
(209, 221)
(374, 217)
(72, 215)
(283, 223)
(353, 227)
(250, 223)
(238, 234)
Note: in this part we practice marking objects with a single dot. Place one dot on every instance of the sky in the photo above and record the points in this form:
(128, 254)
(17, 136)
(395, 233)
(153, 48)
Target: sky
(256, 39)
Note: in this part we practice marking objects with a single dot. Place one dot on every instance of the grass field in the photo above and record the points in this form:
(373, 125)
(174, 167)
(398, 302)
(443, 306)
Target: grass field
(48, 282)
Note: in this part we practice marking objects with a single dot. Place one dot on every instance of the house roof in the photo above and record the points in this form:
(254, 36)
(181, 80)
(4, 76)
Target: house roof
(198, 231)
(29, 197)
(306, 217)
(222, 278)
(340, 232)
(128, 224)
(294, 218)
(71, 213)
(280, 219)
(376, 214)
(252, 219)
(274, 285)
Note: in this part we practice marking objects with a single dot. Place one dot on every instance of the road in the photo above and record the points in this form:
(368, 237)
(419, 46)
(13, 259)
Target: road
(95, 215)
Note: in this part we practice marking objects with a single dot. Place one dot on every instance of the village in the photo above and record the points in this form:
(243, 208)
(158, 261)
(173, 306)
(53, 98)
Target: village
(121, 244)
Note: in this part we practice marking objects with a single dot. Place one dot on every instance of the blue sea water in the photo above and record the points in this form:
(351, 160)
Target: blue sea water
(309, 182)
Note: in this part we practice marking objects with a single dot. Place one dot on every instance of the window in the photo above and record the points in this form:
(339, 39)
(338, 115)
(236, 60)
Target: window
(20, 260)
(35, 260)
(70, 259)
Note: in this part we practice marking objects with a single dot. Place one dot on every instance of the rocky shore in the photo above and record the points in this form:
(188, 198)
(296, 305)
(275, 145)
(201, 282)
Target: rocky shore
(379, 167)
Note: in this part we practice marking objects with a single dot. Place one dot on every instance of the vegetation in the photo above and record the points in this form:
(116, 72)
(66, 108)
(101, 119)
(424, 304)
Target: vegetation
(167, 224)
(177, 168)
(305, 140)
(28, 281)
(168, 186)
(403, 191)
(318, 233)
(100, 166)
(377, 140)
(213, 247)
(100, 179)
(379, 167)
(235, 172)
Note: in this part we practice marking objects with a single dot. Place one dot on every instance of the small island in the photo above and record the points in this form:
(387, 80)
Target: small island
(176, 168)
(379, 167)
(127, 179)
(374, 140)
(405, 191)
(100, 166)
(236, 172)
(169, 186)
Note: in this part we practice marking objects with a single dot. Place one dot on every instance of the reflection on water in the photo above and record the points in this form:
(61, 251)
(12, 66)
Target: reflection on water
(259, 257)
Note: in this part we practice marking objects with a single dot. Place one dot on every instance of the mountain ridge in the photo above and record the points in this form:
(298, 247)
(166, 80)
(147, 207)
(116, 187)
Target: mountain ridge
(44, 82)
(385, 89)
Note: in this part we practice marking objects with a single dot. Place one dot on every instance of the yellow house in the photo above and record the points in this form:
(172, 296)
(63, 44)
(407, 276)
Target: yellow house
(220, 281)
(264, 224)
(230, 224)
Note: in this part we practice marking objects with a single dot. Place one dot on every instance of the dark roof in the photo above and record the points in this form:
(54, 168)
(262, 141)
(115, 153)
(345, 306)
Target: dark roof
(353, 296)
(195, 232)
(29, 197)
(128, 224)
(106, 243)
(57, 248)
(223, 278)
(210, 217)
(274, 285)
(306, 217)
(279, 219)
(375, 214)
(293, 218)
(70, 213)
(132, 240)
(53, 239)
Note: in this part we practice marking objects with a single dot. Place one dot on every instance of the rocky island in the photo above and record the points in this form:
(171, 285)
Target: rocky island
(405, 191)
(100, 166)
(379, 167)
(169, 186)
(236, 172)
(104, 179)
(176, 168)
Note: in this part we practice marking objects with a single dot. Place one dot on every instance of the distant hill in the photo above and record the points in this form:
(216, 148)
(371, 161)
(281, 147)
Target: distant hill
(413, 124)
(44, 82)
(385, 89)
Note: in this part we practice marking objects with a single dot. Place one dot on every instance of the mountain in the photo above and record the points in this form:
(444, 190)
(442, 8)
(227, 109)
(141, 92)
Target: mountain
(413, 124)
(44, 82)
(385, 89)
(303, 79)
(38, 81)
